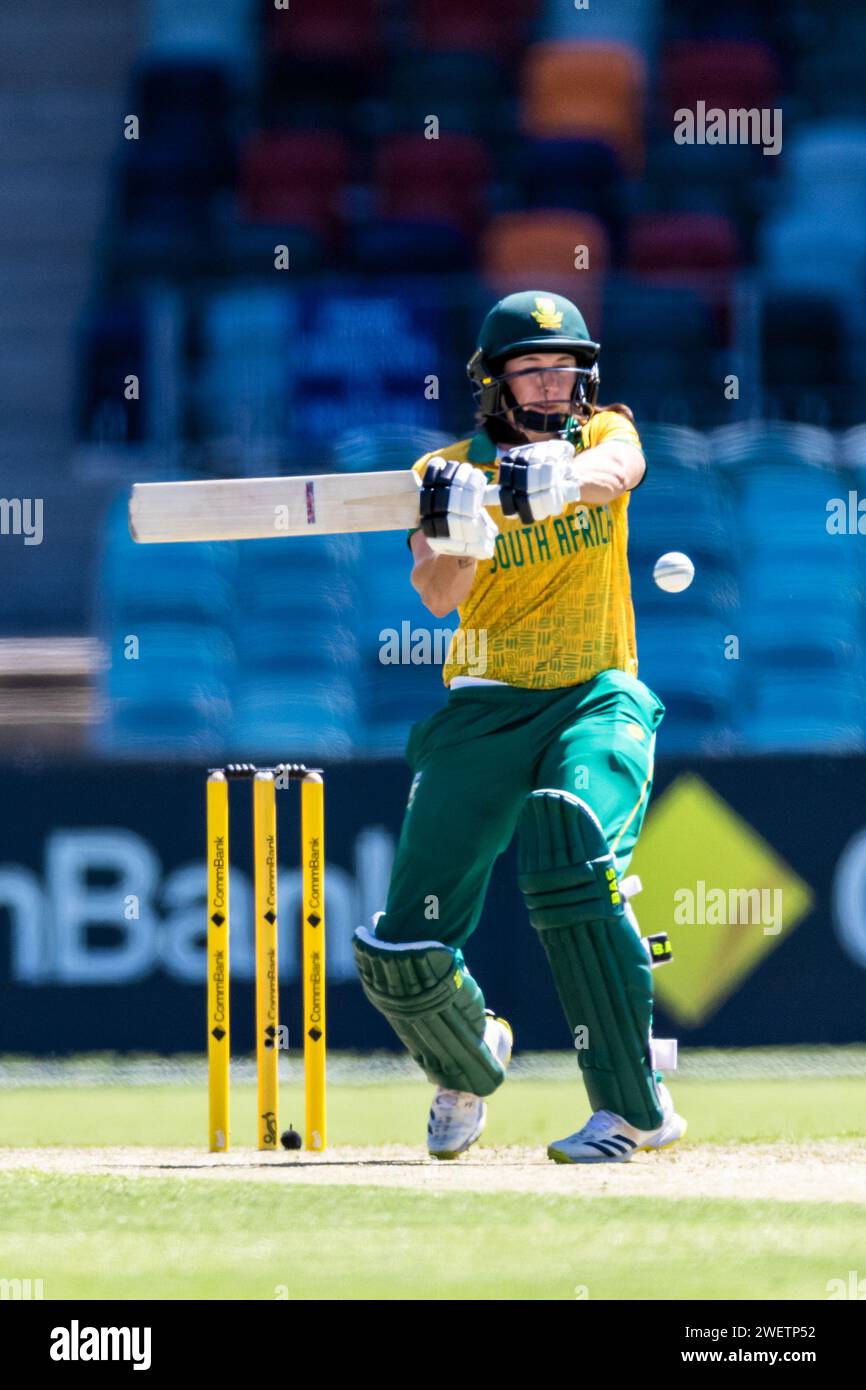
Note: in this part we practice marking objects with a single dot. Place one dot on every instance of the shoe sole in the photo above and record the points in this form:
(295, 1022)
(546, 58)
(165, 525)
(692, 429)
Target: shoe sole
(559, 1157)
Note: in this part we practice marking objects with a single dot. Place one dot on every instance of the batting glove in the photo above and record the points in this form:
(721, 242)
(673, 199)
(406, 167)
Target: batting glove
(453, 518)
(533, 480)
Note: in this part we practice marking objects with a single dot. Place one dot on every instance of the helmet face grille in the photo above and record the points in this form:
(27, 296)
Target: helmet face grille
(495, 398)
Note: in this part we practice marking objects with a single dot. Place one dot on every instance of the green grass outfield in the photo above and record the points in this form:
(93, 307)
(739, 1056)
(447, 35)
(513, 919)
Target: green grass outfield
(98, 1236)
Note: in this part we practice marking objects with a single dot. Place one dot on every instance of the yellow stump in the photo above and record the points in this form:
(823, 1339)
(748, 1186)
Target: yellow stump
(267, 988)
(218, 1039)
(313, 934)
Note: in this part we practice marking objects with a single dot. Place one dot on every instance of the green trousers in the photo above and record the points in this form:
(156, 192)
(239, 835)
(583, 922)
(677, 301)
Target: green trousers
(476, 760)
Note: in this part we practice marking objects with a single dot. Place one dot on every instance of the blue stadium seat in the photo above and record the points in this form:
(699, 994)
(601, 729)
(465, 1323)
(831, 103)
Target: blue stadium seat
(255, 319)
(193, 724)
(298, 577)
(387, 598)
(301, 642)
(684, 663)
(792, 713)
(396, 699)
(396, 695)
(173, 696)
(298, 676)
(772, 442)
(468, 92)
(672, 379)
(634, 22)
(714, 590)
(787, 250)
(675, 446)
(170, 651)
(175, 601)
(388, 446)
(809, 374)
(675, 318)
(296, 717)
(226, 30)
(183, 582)
(683, 509)
(795, 602)
(244, 399)
(204, 597)
(785, 506)
(243, 386)
(686, 656)
(568, 173)
(411, 246)
(811, 643)
(721, 179)
(830, 154)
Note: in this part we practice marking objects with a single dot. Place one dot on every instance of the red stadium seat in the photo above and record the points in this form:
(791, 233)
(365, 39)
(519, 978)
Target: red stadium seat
(324, 28)
(693, 249)
(483, 26)
(682, 242)
(442, 180)
(293, 177)
(724, 73)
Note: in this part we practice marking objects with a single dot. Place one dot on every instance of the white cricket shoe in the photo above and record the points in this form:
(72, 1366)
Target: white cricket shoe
(457, 1118)
(607, 1138)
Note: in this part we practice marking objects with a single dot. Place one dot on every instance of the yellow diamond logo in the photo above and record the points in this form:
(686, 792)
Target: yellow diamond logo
(724, 895)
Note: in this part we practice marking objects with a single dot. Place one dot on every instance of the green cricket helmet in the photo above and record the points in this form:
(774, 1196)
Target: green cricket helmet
(532, 321)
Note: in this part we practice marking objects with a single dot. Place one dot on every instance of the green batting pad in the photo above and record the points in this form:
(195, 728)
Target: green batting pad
(600, 967)
(435, 1008)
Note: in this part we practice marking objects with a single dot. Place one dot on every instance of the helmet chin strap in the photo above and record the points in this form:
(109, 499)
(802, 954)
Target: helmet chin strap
(525, 417)
(540, 421)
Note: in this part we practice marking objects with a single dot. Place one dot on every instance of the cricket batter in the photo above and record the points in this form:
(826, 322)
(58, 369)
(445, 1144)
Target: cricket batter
(555, 742)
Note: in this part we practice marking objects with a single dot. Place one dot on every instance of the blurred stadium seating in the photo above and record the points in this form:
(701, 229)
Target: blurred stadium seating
(415, 159)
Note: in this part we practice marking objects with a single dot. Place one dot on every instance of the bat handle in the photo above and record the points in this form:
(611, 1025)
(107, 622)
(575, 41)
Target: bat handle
(571, 489)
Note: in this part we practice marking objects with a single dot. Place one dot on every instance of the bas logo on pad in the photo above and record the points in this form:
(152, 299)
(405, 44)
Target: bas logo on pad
(546, 314)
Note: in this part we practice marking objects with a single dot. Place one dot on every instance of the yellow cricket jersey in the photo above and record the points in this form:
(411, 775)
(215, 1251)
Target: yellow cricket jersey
(553, 607)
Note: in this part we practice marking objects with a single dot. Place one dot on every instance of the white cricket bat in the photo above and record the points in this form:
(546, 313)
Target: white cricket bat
(241, 509)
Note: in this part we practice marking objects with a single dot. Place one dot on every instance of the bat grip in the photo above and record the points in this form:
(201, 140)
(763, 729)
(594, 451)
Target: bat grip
(571, 489)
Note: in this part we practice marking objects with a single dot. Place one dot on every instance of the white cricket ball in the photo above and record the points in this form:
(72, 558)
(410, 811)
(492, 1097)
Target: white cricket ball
(673, 572)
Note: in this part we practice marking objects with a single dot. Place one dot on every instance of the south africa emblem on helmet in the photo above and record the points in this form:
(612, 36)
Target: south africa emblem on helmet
(546, 314)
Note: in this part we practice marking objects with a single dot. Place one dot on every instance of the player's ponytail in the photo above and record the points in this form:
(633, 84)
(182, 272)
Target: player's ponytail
(618, 406)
